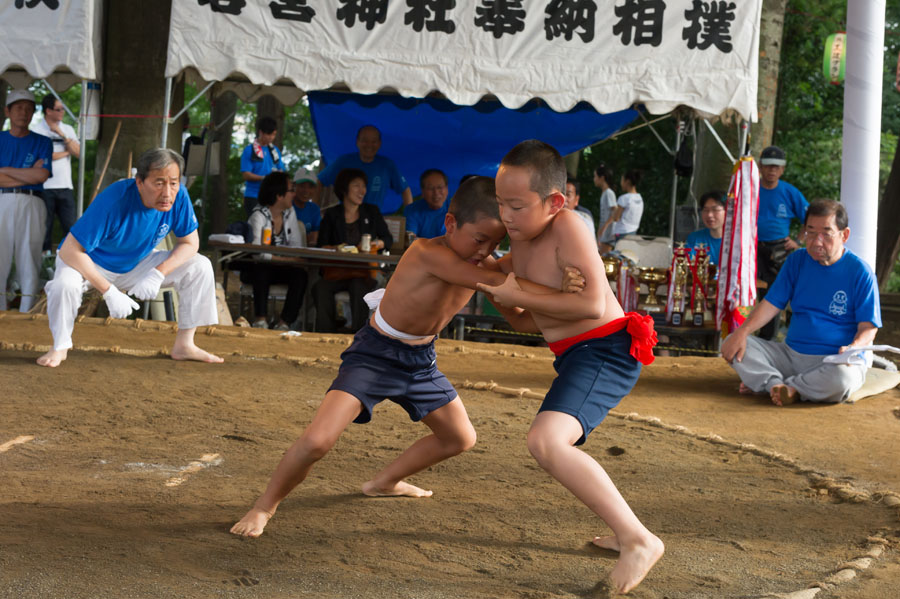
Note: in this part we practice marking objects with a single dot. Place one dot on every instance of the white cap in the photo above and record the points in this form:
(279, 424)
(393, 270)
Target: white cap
(303, 174)
(19, 94)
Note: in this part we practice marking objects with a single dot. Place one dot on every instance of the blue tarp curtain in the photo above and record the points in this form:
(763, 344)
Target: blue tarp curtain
(423, 133)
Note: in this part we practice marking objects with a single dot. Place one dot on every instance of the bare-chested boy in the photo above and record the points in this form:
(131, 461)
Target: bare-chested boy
(599, 349)
(393, 356)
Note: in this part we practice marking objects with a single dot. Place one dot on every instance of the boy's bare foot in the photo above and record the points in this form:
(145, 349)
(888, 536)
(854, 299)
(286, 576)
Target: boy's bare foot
(611, 542)
(253, 523)
(53, 358)
(401, 489)
(192, 352)
(745, 390)
(782, 395)
(635, 562)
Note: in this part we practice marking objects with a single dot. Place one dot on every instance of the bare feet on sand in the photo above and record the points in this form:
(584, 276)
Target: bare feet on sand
(745, 390)
(253, 523)
(611, 542)
(635, 561)
(401, 489)
(53, 358)
(192, 352)
(782, 395)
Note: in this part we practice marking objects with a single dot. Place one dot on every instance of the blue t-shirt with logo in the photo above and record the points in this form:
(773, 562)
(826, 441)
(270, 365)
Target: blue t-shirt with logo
(118, 231)
(828, 302)
(776, 209)
(23, 152)
(382, 174)
(713, 245)
(425, 222)
(262, 166)
(310, 215)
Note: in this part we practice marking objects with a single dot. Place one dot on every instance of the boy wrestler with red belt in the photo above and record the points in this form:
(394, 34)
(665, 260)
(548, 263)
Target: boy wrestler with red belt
(599, 349)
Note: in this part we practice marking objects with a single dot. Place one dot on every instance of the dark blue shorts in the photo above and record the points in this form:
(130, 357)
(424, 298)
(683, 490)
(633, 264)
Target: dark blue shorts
(376, 367)
(593, 377)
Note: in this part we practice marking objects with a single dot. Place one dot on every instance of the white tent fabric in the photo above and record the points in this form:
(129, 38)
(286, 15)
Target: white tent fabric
(57, 41)
(701, 54)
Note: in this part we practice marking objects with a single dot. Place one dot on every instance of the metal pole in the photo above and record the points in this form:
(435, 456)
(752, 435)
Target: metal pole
(167, 106)
(679, 135)
(82, 139)
(862, 124)
(743, 150)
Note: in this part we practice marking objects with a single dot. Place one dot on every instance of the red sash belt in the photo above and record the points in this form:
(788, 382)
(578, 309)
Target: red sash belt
(639, 326)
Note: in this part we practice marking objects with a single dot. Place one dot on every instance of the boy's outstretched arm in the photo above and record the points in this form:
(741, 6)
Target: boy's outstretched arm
(576, 248)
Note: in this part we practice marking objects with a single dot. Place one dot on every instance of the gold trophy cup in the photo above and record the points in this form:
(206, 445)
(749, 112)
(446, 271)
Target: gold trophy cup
(611, 265)
(652, 277)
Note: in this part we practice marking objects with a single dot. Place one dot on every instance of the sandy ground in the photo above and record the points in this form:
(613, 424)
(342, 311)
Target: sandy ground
(138, 466)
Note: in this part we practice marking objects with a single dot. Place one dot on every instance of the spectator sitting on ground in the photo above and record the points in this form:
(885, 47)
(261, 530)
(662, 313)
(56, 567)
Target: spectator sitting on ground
(425, 216)
(712, 211)
(602, 179)
(306, 205)
(345, 224)
(626, 218)
(836, 308)
(381, 172)
(275, 211)
(259, 159)
(573, 197)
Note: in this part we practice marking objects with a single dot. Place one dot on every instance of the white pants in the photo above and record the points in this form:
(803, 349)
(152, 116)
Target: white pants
(769, 363)
(193, 281)
(22, 219)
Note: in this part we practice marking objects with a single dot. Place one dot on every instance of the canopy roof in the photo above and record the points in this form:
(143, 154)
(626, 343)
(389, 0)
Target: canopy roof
(57, 41)
(418, 134)
(659, 54)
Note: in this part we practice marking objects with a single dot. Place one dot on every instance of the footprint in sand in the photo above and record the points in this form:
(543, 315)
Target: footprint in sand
(243, 579)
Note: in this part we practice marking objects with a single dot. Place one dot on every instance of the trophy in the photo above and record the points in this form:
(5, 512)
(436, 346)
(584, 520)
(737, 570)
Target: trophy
(680, 268)
(701, 272)
(652, 277)
(611, 265)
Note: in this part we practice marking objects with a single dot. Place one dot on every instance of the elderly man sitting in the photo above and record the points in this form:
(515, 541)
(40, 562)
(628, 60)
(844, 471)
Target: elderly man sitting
(836, 307)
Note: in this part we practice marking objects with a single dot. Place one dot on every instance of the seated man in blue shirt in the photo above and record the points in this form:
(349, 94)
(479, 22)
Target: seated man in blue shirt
(425, 216)
(112, 245)
(834, 297)
(712, 211)
(381, 172)
(305, 206)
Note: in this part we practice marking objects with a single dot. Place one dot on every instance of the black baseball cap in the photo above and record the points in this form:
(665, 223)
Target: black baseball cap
(773, 155)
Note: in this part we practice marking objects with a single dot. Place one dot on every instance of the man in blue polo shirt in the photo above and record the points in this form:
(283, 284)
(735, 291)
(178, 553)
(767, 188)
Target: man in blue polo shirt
(712, 212)
(259, 159)
(112, 245)
(834, 298)
(779, 204)
(425, 216)
(26, 160)
(381, 172)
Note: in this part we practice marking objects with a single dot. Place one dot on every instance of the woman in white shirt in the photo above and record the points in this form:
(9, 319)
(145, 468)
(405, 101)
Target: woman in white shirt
(276, 212)
(602, 178)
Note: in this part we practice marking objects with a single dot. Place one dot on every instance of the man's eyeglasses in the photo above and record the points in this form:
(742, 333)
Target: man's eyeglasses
(826, 236)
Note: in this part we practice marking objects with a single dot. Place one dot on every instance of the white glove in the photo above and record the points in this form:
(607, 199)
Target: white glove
(148, 287)
(119, 304)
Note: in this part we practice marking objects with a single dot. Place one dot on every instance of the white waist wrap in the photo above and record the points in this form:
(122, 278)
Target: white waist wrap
(373, 300)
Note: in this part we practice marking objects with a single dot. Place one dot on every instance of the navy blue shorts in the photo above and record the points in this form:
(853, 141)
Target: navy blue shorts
(592, 378)
(377, 367)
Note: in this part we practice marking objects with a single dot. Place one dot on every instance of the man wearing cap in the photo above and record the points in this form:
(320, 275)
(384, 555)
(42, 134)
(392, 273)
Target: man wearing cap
(259, 159)
(834, 297)
(381, 172)
(25, 163)
(425, 216)
(59, 196)
(305, 205)
(779, 203)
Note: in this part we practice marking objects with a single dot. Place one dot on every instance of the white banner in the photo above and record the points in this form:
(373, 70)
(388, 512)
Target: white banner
(41, 37)
(610, 53)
